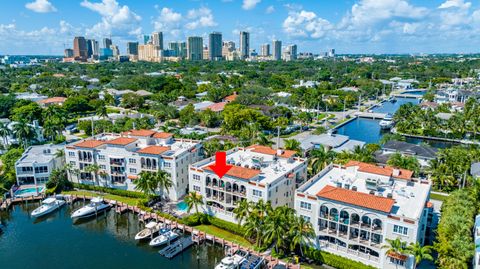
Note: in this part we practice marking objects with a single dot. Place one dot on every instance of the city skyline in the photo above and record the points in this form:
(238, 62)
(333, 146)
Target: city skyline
(364, 26)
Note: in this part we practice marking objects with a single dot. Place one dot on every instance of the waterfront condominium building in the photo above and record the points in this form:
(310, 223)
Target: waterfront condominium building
(258, 172)
(244, 45)
(37, 163)
(157, 39)
(194, 48)
(265, 50)
(80, 48)
(122, 157)
(215, 46)
(277, 50)
(354, 208)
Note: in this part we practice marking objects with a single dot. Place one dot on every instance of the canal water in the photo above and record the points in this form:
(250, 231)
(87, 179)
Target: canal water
(369, 131)
(99, 243)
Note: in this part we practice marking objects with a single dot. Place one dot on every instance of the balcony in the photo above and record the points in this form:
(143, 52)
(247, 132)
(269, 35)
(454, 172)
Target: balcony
(149, 167)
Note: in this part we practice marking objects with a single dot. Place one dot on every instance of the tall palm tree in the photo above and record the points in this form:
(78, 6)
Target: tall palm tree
(319, 159)
(24, 132)
(396, 246)
(146, 183)
(94, 169)
(263, 140)
(102, 111)
(193, 199)
(242, 211)
(420, 252)
(276, 228)
(5, 132)
(301, 231)
(163, 181)
(292, 144)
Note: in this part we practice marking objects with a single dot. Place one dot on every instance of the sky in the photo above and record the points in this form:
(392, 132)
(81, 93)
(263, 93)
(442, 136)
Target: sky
(352, 26)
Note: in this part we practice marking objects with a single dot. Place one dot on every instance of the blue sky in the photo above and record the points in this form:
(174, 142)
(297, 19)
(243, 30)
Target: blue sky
(353, 26)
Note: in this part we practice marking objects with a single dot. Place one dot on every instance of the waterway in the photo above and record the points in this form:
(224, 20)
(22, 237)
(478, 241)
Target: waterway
(368, 130)
(98, 243)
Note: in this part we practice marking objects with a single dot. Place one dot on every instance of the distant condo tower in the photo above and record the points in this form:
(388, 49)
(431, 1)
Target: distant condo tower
(80, 48)
(277, 50)
(157, 39)
(265, 50)
(244, 45)
(215, 46)
(107, 42)
(194, 48)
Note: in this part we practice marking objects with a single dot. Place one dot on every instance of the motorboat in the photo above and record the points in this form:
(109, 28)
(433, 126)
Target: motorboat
(387, 122)
(48, 205)
(393, 100)
(231, 262)
(96, 205)
(151, 228)
(163, 239)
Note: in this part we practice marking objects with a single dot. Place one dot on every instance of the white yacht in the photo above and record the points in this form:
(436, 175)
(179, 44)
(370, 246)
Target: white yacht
(95, 206)
(151, 228)
(387, 122)
(230, 262)
(163, 239)
(48, 205)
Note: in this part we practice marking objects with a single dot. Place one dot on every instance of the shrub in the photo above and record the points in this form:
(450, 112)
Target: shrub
(339, 262)
(226, 225)
(196, 219)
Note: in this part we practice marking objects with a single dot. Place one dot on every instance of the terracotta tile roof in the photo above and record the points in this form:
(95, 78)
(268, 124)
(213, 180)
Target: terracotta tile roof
(429, 104)
(384, 171)
(89, 144)
(154, 150)
(123, 141)
(240, 172)
(270, 151)
(230, 98)
(132, 177)
(142, 132)
(53, 100)
(217, 107)
(397, 256)
(162, 135)
(357, 198)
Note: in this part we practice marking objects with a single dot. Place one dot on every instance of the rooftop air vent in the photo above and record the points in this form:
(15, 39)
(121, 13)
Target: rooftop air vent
(390, 195)
(354, 188)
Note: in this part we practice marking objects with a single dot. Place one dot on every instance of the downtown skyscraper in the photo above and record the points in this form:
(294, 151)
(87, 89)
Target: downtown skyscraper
(157, 39)
(194, 48)
(244, 45)
(80, 51)
(215, 46)
(277, 50)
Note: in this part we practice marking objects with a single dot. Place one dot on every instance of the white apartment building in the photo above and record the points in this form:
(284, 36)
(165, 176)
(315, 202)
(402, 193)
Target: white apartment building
(354, 208)
(258, 173)
(121, 158)
(36, 164)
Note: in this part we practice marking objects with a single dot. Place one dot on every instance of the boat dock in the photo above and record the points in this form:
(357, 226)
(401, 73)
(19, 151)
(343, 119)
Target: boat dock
(176, 247)
(371, 115)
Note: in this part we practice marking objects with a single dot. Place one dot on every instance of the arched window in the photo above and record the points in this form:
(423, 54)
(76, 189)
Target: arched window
(355, 218)
(377, 224)
(344, 217)
(366, 221)
(323, 211)
(334, 214)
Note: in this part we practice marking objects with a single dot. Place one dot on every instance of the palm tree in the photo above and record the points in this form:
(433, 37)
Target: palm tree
(292, 144)
(301, 231)
(102, 111)
(405, 162)
(146, 183)
(263, 140)
(319, 158)
(242, 211)
(163, 181)
(94, 168)
(396, 246)
(5, 132)
(276, 228)
(24, 132)
(193, 199)
(420, 252)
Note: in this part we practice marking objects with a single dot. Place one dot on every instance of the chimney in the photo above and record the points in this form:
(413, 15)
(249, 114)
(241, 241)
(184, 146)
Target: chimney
(396, 172)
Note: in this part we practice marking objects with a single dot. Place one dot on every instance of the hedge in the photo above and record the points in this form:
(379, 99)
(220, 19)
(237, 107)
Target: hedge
(339, 262)
(226, 225)
(130, 194)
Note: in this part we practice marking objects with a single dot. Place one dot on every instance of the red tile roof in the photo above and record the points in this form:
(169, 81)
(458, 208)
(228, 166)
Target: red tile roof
(123, 141)
(384, 171)
(270, 151)
(89, 144)
(154, 150)
(357, 198)
(142, 132)
(397, 256)
(217, 107)
(132, 177)
(230, 98)
(53, 100)
(240, 172)
(162, 135)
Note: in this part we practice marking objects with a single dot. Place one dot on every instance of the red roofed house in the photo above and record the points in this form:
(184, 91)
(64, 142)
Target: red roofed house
(52, 101)
(257, 172)
(122, 157)
(355, 208)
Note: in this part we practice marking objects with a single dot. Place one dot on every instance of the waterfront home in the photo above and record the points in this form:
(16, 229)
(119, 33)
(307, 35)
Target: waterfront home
(258, 173)
(122, 157)
(423, 153)
(329, 141)
(116, 116)
(37, 163)
(11, 139)
(52, 101)
(30, 96)
(306, 84)
(354, 208)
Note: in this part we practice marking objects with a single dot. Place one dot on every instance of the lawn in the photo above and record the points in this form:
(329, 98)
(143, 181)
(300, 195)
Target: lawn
(212, 230)
(126, 200)
(438, 197)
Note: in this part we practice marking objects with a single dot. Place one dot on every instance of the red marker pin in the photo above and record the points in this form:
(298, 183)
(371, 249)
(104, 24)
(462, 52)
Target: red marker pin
(220, 167)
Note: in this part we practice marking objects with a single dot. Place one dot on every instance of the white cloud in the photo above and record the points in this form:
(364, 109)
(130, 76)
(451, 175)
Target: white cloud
(250, 4)
(270, 9)
(41, 6)
(455, 4)
(116, 20)
(175, 23)
(306, 24)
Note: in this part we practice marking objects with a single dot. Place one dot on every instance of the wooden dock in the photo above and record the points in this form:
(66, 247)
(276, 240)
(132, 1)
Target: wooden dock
(176, 247)
(371, 115)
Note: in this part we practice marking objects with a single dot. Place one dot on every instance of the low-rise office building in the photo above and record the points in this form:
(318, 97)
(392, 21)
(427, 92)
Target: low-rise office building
(37, 163)
(122, 157)
(258, 173)
(354, 208)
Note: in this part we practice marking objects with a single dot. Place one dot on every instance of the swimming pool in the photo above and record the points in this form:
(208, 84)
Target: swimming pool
(182, 206)
(25, 192)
